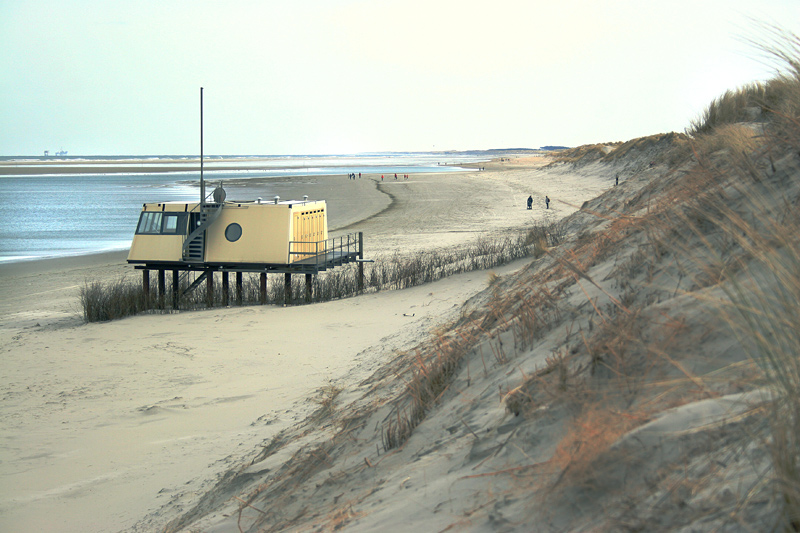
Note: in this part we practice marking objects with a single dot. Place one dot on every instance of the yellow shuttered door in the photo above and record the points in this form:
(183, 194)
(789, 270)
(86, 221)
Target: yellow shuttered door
(308, 231)
(298, 238)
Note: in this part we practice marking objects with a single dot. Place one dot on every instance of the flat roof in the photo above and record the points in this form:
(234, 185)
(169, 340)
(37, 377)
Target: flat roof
(264, 201)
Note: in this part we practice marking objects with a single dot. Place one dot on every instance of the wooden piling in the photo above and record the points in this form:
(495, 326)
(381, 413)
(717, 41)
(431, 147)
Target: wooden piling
(263, 288)
(287, 288)
(176, 289)
(309, 287)
(162, 288)
(225, 289)
(210, 289)
(146, 284)
(239, 288)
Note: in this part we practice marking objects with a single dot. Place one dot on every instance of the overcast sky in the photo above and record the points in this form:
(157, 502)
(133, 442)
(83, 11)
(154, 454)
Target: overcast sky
(346, 76)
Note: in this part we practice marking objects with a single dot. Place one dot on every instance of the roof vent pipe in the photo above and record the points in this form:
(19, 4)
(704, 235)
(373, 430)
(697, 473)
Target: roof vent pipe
(305, 197)
(259, 199)
(277, 199)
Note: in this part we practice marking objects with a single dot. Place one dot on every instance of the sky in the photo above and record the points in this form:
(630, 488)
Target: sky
(349, 76)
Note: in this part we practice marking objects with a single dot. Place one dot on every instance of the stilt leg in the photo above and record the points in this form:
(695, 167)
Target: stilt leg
(225, 289)
(263, 288)
(238, 288)
(146, 285)
(287, 288)
(210, 290)
(162, 288)
(309, 288)
(176, 289)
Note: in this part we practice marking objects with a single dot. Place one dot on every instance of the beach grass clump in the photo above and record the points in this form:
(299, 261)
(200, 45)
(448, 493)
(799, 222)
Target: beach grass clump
(763, 101)
(734, 106)
(113, 300)
(431, 374)
(650, 147)
(586, 153)
(401, 271)
(326, 400)
(590, 434)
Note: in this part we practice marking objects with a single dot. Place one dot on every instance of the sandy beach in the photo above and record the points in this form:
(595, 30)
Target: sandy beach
(104, 423)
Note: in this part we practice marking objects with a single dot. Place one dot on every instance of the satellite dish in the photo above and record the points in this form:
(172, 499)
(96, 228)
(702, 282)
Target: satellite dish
(219, 195)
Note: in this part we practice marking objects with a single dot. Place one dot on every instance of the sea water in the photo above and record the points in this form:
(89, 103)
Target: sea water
(56, 215)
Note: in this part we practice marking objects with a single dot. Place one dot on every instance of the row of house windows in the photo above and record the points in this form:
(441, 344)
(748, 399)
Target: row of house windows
(160, 223)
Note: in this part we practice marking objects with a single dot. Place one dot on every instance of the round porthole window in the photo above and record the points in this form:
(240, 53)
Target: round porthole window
(233, 232)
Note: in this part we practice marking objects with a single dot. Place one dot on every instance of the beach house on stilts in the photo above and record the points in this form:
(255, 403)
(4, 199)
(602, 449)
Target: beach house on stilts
(196, 240)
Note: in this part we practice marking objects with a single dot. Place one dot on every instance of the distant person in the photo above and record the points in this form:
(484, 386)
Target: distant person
(359, 175)
(381, 177)
(530, 202)
(616, 182)
(547, 202)
(395, 175)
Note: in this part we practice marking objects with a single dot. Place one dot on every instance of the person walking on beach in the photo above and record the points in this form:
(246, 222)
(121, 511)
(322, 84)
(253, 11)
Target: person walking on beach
(530, 202)
(617, 182)
(547, 201)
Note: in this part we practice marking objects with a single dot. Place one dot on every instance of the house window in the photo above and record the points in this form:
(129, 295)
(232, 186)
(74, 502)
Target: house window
(174, 223)
(150, 223)
(233, 232)
(160, 223)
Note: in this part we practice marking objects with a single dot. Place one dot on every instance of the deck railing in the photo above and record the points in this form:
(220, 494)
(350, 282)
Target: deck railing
(328, 253)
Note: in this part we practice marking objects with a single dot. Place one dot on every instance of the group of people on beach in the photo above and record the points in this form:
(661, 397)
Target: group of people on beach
(352, 175)
(546, 202)
(405, 176)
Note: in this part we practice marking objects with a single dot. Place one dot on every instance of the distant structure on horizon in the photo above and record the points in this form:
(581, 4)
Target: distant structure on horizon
(553, 147)
(58, 153)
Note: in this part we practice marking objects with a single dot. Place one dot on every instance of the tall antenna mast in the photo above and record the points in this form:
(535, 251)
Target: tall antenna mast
(202, 183)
